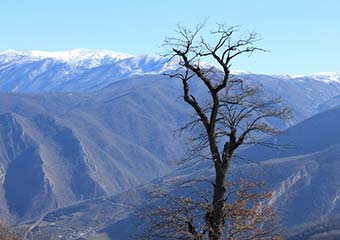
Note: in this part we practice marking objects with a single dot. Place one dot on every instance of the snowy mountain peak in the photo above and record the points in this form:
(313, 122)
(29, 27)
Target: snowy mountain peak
(76, 57)
(327, 76)
(322, 76)
(86, 69)
(74, 54)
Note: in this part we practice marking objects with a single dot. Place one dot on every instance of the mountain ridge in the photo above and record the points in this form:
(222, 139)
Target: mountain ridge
(79, 55)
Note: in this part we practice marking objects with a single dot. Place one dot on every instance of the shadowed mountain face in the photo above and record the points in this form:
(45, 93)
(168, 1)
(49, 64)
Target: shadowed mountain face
(314, 134)
(326, 229)
(24, 187)
(306, 187)
(56, 149)
(329, 104)
(310, 162)
(44, 166)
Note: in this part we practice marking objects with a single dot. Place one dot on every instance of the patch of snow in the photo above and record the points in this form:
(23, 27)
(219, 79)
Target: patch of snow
(88, 57)
(240, 72)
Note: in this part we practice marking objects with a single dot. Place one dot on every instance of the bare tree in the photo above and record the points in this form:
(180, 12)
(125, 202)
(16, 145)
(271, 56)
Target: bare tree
(245, 215)
(7, 232)
(234, 113)
(11, 229)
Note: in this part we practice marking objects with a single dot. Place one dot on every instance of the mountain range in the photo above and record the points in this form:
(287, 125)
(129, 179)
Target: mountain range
(76, 70)
(79, 126)
(79, 146)
(305, 190)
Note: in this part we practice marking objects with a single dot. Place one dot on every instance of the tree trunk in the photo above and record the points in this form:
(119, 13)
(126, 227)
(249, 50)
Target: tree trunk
(217, 223)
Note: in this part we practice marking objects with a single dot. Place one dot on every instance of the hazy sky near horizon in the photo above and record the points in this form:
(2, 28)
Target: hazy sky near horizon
(302, 36)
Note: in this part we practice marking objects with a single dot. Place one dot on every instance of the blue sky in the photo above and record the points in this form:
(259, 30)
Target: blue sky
(303, 36)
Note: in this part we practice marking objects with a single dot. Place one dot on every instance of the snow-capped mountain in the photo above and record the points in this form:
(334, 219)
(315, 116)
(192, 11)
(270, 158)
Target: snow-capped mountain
(86, 70)
(323, 76)
(76, 57)
(74, 70)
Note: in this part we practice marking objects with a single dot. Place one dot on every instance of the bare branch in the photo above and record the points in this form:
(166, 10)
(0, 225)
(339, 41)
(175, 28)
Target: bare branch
(235, 113)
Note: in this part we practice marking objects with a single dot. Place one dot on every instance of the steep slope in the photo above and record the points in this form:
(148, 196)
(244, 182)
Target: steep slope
(309, 189)
(25, 190)
(70, 147)
(328, 104)
(326, 229)
(310, 152)
(314, 134)
(301, 93)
